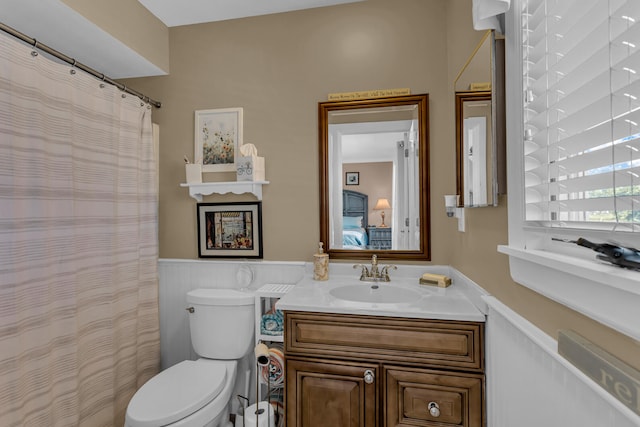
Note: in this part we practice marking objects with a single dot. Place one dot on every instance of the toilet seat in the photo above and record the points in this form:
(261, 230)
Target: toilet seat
(176, 393)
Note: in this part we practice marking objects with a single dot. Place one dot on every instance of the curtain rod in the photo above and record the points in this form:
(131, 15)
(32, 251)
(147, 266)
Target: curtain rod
(43, 47)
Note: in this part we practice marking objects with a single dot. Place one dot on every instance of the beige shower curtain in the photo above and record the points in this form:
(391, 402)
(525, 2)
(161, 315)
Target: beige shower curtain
(78, 245)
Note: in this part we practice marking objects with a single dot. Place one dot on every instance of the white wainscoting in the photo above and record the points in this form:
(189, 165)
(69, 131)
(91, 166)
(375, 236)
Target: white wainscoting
(530, 385)
(177, 277)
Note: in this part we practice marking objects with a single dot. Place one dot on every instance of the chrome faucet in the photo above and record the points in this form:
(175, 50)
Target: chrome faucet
(374, 274)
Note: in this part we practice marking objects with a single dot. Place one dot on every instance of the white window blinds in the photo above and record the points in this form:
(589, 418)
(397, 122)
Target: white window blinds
(581, 69)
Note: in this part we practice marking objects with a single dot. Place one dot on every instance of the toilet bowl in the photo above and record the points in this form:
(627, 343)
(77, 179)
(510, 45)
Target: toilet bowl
(197, 393)
(189, 394)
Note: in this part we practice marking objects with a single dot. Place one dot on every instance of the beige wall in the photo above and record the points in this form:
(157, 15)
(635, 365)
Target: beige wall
(132, 24)
(278, 67)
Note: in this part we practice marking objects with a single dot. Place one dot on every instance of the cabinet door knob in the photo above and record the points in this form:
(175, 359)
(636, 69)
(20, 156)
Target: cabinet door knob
(369, 376)
(434, 409)
(190, 309)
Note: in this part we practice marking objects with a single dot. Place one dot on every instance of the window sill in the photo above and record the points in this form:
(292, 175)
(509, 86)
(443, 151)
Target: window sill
(605, 293)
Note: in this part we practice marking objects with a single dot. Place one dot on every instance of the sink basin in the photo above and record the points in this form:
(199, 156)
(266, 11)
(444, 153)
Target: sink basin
(375, 293)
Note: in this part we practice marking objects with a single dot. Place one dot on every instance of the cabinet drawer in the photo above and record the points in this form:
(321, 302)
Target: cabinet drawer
(408, 393)
(413, 341)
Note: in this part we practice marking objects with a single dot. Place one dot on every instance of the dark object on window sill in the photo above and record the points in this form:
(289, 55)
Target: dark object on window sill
(617, 255)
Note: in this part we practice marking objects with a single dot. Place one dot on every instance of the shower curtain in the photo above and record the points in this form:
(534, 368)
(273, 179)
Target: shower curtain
(78, 245)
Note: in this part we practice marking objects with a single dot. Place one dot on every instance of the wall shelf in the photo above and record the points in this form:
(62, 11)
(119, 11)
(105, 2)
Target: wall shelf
(236, 187)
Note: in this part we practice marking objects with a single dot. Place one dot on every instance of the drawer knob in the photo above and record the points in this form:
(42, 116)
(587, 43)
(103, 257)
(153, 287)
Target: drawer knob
(369, 377)
(434, 409)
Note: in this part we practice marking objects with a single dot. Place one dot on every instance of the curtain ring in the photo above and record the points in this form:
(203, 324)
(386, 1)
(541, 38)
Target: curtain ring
(35, 43)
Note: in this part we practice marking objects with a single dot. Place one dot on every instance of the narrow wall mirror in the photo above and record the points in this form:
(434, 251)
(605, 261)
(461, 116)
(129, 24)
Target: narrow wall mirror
(475, 152)
(480, 125)
(374, 177)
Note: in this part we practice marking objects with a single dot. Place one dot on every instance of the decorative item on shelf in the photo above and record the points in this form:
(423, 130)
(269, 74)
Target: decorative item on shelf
(321, 264)
(218, 138)
(381, 205)
(272, 323)
(193, 171)
(273, 372)
(249, 167)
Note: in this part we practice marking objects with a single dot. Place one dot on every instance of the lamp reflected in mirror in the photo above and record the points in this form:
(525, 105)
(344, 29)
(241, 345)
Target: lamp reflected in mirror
(381, 205)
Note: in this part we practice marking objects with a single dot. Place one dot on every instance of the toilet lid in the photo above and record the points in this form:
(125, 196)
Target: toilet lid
(220, 297)
(176, 393)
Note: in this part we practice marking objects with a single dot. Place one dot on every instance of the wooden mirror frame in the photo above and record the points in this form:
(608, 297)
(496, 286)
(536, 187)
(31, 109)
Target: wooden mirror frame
(324, 108)
(461, 98)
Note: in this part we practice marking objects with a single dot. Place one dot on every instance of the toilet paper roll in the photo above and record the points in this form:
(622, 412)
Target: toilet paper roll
(262, 354)
(263, 419)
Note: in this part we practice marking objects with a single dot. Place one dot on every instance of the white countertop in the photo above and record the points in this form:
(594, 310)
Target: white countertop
(430, 303)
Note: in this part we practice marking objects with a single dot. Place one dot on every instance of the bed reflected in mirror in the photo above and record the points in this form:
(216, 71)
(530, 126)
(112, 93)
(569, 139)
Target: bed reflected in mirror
(373, 178)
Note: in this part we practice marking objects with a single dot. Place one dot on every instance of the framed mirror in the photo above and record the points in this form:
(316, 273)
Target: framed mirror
(480, 125)
(374, 177)
(475, 153)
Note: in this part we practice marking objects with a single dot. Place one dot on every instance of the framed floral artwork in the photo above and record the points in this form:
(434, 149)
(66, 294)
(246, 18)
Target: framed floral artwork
(230, 230)
(218, 137)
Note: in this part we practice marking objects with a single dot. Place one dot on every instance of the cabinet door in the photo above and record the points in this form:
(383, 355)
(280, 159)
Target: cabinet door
(410, 392)
(330, 394)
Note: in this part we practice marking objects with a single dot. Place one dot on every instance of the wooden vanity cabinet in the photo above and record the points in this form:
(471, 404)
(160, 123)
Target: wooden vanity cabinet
(330, 394)
(367, 371)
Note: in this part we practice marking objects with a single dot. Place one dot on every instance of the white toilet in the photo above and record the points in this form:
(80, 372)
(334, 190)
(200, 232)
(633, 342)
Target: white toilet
(197, 393)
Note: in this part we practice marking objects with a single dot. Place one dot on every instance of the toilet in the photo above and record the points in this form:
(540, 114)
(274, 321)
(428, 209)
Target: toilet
(198, 393)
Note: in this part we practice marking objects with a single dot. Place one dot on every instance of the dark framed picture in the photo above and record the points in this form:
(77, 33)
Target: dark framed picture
(230, 230)
(352, 178)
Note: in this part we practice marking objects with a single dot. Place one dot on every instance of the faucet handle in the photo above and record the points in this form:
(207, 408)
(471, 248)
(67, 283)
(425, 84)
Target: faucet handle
(365, 271)
(385, 272)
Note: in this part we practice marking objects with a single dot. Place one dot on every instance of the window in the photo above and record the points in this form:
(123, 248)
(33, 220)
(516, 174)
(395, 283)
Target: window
(573, 135)
(581, 85)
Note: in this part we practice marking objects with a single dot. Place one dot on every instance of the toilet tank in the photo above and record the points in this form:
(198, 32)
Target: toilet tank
(221, 322)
